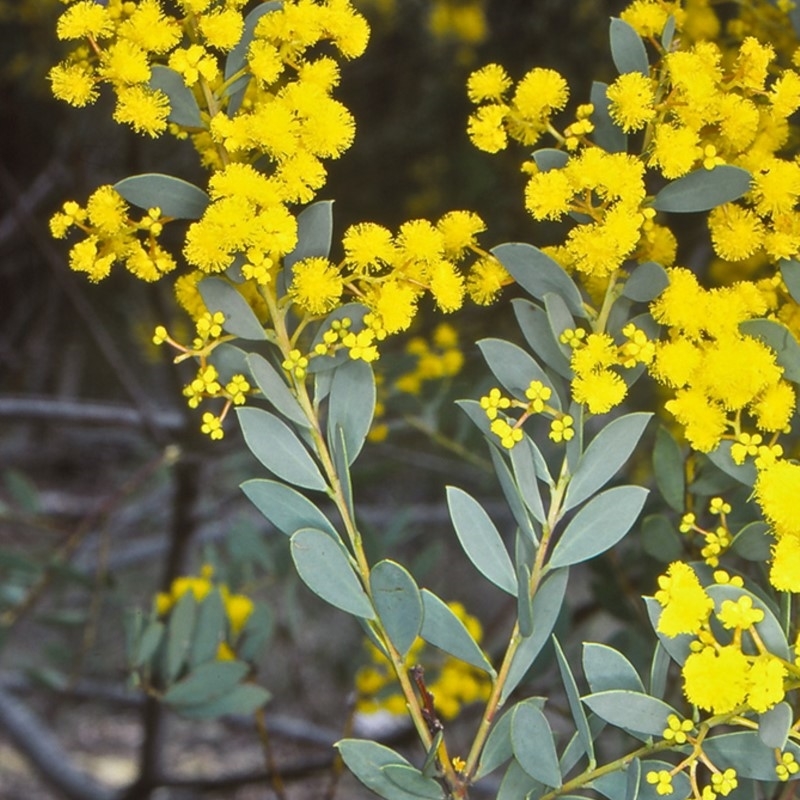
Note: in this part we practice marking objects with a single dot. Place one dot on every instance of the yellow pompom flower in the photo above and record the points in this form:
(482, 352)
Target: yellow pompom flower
(368, 246)
(107, 211)
(548, 195)
(395, 304)
(317, 285)
(446, 286)
(486, 129)
(736, 232)
(488, 83)
(459, 229)
(486, 280)
(85, 18)
(222, 29)
(631, 101)
(765, 683)
(540, 93)
(686, 606)
(73, 83)
(676, 149)
(784, 573)
(777, 488)
(715, 679)
(145, 110)
(599, 391)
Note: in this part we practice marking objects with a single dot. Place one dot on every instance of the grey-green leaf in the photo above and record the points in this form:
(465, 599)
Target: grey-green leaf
(703, 189)
(240, 319)
(515, 369)
(480, 540)
(524, 602)
(148, 643)
(646, 282)
(606, 133)
(538, 333)
(398, 601)
(532, 742)
(244, 699)
(498, 748)
(411, 780)
(366, 760)
(660, 540)
(547, 604)
(600, 524)
(604, 456)
(275, 389)
(745, 750)
(326, 570)
(279, 449)
(183, 108)
(524, 462)
(175, 197)
(606, 668)
(286, 508)
(209, 631)
(351, 405)
(754, 542)
(790, 272)
(574, 700)
(777, 336)
(669, 470)
(207, 682)
(539, 274)
(443, 629)
(721, 457)
(314, 233)
(627, 48)
(631, 711)
(774, 725)
(511, 492)
(180, 629)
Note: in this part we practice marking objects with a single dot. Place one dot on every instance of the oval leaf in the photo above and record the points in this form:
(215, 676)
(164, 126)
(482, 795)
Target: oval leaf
(538, 333)
(515, 369)
(286, 508)
(183, 108)
(547, 604)
(721, 457)
(443, 629)
(275, 389)
(532, 741)
(351, 405)
(326, 570)
(245, 699)
(366, 760)
(646, 282)
(180, 630)
(206, 683)
(277, 447)
(240, 319)
(539, 274)
(703, 190)
(398, 601)
(745, 750)
(668, 469)
(606, 454)
(480, 540)
(627, 48)
(790, 272)
(210, 631)
(631, 711)
(498, 748)
(524, 461)
(600, 524)
(314, 233)
(606, 133)
(775, 724)
(606, 668)
(411, 780)
(754, 542)
(175, 197)
(574, 700)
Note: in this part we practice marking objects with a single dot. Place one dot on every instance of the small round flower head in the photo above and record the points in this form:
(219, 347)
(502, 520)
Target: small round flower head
(488, 83)
(686, 604)
(317, 285)
(631, 101)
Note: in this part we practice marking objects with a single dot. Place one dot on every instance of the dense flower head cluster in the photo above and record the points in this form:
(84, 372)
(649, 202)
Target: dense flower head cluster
(722, 672)
(453, 683)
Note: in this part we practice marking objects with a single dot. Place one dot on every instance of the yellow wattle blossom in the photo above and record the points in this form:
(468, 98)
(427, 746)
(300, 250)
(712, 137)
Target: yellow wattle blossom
(686, 606)
(631, 101)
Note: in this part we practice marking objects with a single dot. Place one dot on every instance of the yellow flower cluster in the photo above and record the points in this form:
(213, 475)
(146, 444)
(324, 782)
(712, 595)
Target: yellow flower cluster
(113, 236)
(207, 384)
(536, 397)
(721, 676)
(455, 684)
(238, 607)
(717, 372)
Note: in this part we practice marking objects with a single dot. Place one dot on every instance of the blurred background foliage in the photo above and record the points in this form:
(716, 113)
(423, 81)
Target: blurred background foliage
(108, 490)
